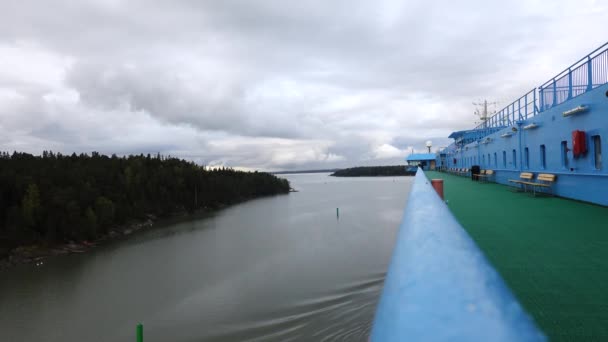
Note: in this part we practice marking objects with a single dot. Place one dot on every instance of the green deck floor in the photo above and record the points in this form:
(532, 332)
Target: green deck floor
(552, 252)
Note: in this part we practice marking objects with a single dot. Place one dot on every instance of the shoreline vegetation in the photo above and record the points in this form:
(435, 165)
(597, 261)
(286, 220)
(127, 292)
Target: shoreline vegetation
(376, 171)
(303, 171)
(57, 204)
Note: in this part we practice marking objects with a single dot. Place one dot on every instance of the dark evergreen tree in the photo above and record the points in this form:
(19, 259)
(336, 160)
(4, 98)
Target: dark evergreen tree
(369, 171)
(59, 198)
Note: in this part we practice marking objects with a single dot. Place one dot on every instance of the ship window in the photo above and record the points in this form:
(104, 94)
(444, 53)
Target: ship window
(504, 159)
(514, 159)
(526, 158)
(543, 161)
(564, 153)
(495, 160)
(489, 161)
(483, 160)
(597, 151)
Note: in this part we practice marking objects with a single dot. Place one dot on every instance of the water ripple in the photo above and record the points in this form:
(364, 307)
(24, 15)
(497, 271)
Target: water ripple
(342, 314)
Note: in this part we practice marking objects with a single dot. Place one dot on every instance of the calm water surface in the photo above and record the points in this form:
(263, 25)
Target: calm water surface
(275, 269)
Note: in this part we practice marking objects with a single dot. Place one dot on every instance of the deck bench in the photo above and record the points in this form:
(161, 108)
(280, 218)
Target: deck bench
(479, 175)
(543, 181)
(485, 175)
(524, 179)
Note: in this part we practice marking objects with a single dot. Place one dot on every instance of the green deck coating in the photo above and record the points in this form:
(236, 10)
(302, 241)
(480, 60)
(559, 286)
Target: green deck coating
(552, 253)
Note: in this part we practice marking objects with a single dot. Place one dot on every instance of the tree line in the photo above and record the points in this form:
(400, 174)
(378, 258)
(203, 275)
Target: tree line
(56, 198)
(370, 171)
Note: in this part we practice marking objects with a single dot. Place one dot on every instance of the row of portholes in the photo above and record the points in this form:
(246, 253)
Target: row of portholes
(596, 154)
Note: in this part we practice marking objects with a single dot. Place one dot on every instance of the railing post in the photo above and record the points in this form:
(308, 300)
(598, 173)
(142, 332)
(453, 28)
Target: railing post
(589, 74)
(569, 83)
(541, 98)
(526, 104)
(513, 113)
(438, 186)
(519, 109)
(554, 93)
(534, 102)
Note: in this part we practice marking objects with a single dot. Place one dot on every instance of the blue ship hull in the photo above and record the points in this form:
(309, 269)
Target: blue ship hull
(535, 134)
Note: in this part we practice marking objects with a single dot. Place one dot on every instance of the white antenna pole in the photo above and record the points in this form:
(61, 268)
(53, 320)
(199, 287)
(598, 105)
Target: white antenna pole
(481, 110)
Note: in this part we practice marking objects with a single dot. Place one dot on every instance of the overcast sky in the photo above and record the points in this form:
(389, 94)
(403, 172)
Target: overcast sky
(273, 85)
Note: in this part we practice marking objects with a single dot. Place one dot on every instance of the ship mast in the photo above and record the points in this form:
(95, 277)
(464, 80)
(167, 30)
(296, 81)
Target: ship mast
(481, 110)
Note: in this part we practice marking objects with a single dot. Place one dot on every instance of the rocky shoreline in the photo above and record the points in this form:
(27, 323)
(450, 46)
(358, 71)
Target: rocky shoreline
(37, 254)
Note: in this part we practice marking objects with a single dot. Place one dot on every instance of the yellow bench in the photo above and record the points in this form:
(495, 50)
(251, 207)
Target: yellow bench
(524, 179)
(478, 176)
(543, 181)
(463, 172)
(485, 175)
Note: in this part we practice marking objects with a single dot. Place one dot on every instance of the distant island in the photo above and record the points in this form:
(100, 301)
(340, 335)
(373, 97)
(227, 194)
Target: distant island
(303, 171)
(376, 171)
(54, 203)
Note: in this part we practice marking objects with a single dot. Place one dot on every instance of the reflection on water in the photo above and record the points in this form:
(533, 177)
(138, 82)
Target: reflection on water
(283, 268)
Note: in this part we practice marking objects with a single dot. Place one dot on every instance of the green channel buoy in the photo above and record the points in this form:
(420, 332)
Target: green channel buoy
(140, 333)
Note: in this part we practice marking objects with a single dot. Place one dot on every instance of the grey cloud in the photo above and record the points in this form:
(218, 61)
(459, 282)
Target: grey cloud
(165, 94)
(274, 84)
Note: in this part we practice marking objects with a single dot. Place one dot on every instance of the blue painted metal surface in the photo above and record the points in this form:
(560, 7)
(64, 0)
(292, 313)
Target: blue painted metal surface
(581, 178)
(583, 76)
(439, 285)
(586, 74)
(420, 157)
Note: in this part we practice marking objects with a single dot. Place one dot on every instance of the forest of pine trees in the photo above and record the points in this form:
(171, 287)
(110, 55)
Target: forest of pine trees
(55, 198)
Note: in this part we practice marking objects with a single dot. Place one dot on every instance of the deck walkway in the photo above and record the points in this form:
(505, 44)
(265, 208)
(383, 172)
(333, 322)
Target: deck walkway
(552, 252)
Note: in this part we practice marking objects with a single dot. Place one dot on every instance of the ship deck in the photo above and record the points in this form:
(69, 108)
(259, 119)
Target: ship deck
(552, 252)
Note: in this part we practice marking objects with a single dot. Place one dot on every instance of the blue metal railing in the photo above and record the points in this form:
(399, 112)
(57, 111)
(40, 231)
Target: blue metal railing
(586, 74)
(520, 109)
(439, 285)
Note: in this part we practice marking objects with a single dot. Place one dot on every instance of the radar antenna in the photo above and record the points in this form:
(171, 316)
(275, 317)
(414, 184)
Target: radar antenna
(482, 111)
